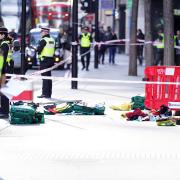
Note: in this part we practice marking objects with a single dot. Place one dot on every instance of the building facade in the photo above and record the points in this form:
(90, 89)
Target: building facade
(122, 18)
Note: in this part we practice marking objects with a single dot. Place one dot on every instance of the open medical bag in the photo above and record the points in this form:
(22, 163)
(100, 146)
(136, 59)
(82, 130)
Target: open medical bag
(25, 113)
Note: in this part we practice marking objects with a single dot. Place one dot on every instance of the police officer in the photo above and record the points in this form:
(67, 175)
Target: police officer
(9, 60)
(45, 51)
(177, 50)
(160, 48)
(4, 49)
(85, 44)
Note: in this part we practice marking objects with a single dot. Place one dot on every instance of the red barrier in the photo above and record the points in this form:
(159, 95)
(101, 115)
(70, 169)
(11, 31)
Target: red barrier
(24, 96)
(27, 94)
(162, 94)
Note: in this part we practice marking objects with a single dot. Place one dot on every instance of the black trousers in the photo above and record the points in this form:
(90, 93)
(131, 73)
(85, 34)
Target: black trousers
(85, 51)
(140, 54)
(102, 54)
(4, 104)
(17, 70)
(4, 99)
(47, 84)
(177, 59)
(159, 56)
(10, 67)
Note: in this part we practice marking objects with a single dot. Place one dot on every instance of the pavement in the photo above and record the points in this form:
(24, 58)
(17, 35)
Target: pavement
(91, 147)
(101, 91)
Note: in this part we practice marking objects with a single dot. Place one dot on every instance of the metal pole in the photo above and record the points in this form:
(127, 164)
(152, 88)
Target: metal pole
(114, 19)
(23, 36)
(74, 84)
(96, 59)
(1, 21)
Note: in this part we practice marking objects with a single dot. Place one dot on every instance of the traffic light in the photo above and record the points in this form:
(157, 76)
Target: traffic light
(88, 6)
(85, 5)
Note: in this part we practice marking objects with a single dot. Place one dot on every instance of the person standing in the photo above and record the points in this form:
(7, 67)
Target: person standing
(112, 48)
(159, 49)
(66, 45)
(140, 38)
(177, 50)
(102, 48)
(45, 50)
(13, 34)
(16, 57)
(9, 60)
(85, 45)
(4, 49)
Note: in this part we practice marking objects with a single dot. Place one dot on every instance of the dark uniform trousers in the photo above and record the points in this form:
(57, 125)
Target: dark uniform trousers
(10, 67)
(159, 56)
(4, 99)
(4, 105)
(86, 51)
(47, 84)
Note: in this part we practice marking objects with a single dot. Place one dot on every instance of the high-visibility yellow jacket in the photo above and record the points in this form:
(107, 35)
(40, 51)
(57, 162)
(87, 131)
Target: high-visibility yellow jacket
(1, 64)
(49, 49)
(161, 45)
(85, 40)
(9, 56)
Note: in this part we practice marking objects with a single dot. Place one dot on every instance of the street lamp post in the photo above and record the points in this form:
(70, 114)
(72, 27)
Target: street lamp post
(114, 18)
(23, 36)
(96, 59)
(74, 84)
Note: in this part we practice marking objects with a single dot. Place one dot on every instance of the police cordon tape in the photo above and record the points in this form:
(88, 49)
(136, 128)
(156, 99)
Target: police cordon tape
(35, 74)
(91, 48)
(60, 63)
(93, 80)
(122, 42)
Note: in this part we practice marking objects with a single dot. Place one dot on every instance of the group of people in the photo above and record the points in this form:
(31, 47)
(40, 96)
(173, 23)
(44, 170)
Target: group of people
(10, 62)
(104, 36)
(158, 47)
(86, 39)
(10, 55)
(159, 55)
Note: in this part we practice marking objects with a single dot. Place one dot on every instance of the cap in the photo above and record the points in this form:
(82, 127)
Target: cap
(3, 30)
(45, 29)
(85, 28)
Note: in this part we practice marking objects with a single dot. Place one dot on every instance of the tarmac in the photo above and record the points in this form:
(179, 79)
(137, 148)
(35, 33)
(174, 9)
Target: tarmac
(80, 147)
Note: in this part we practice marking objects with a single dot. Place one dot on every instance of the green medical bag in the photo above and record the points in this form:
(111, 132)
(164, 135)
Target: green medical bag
(25, 113)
